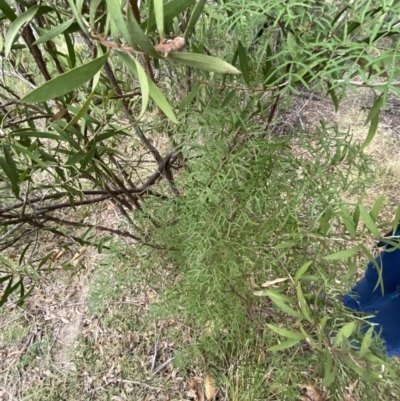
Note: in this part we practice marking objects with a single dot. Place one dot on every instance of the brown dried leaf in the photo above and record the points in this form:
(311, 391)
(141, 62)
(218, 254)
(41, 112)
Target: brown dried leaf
(78, 256)
(209, 385)
(312, 393)
(273, 282)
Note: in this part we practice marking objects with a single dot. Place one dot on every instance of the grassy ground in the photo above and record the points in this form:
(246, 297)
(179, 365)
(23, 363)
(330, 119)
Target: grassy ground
(100, 336)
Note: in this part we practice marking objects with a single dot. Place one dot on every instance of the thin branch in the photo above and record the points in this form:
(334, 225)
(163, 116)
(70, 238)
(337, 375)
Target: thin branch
(9, 232)
(100, 228)
(367, 84)
(31, 118)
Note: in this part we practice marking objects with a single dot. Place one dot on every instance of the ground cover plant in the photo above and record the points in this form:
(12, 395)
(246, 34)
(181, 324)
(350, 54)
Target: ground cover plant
(167, 135)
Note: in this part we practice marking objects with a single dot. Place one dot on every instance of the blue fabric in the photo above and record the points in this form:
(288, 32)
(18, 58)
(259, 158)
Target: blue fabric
(370, 297)
(388, 325)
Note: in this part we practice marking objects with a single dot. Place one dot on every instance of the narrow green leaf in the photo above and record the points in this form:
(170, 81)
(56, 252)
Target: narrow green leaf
(154, 92)
(77, 13)
(15, 27)
(66, 82)
(303, 269)
(277, 300)
(376, 107)
(284, 345)
(188, 99)
(334, 98)
(204, 62)
(348, 221)
(89, 157)
(144, 86)
(286, 333)
(347, 330)
(5, 278)
(372, 131)
(94, 5)
(65, 135)
(7, 10)
(366, 342)
(37, 134)
(114, 8)
(196, 13)
(10, 169)
(54, 32)
(88, 234)
(369, 223)
(347, 253)
(329, 375)
(171, 10)
(159, 14)
(244, 64)
(75, 158)
(139, 38)
(323, 321)
(9, 290)
(228, 98)
(71, 50)
(374, 213)
(356, 214)
(396, 221)
(30, 155)
(81, 112)
(302, 302)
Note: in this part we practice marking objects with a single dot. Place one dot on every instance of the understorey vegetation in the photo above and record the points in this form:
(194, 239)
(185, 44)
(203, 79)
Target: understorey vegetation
(173, 115)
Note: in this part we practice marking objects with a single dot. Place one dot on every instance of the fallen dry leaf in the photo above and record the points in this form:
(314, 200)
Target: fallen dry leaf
(78, 256)
(195, 391)
(272, 282)
(350, 392)
(209, 385)
(312, 393)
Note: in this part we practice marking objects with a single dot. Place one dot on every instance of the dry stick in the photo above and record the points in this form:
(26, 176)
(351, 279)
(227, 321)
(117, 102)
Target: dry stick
(162, 366)
(12, 123)
(15, 240)
(155, 349)
(139, 191)
(58, 233)
(133, 198)
(9, 232)
(117, 380)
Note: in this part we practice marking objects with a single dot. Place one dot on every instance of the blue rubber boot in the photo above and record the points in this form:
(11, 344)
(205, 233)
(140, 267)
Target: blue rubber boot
(388, 324)
(364, 297)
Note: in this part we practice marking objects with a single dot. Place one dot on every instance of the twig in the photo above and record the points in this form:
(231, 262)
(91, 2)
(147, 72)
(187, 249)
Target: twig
(117, 380)
(367, 84)
(155, 349)
(162, 366)
(9, 322)
(100, 228)
(9, 232)
(12, 123)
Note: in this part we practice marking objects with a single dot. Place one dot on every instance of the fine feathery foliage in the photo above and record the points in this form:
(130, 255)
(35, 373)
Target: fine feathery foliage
(171, 112)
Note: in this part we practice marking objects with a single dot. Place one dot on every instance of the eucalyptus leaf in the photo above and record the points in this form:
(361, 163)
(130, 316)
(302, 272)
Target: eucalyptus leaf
(66, 82)
(54, 32)
(16, 26)
(204, 62)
